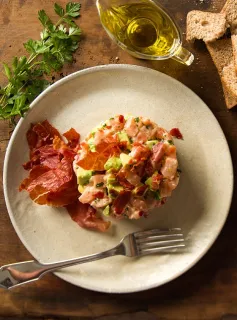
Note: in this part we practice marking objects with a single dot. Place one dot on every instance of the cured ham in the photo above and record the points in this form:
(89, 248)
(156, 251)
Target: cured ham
(51, 180)
(96, 160)
(85, 216)
(121, 201)
(158, 152)
(175, 132)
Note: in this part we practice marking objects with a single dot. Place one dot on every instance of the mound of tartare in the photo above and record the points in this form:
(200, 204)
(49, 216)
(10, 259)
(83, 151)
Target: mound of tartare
(126, 166)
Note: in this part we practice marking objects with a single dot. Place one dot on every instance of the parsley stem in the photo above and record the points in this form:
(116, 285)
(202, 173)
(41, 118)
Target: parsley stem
(4, 96)
(35, 64)
(32, 57)
(61, 19)
(27, 76)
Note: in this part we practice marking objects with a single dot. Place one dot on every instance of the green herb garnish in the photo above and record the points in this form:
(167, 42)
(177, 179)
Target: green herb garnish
(98, 185)
(170, 142)
(26, 74)
(137, 119)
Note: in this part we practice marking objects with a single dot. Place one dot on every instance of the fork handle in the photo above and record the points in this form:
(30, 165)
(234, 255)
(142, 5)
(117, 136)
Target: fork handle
(24, 272)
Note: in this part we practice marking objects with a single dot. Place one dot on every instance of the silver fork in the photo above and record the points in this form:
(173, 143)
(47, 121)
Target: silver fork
(135, 244)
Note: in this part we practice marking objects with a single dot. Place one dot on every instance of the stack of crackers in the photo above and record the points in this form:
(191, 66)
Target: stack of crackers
(211, 28)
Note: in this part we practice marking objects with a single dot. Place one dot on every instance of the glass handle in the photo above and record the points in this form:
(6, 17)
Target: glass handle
(184, 56)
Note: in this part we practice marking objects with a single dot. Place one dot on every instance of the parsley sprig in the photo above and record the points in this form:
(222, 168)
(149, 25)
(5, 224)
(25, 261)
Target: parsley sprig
(26, 75)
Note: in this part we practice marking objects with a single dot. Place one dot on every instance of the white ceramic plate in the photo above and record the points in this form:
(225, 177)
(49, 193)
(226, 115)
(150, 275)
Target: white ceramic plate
(199, 205)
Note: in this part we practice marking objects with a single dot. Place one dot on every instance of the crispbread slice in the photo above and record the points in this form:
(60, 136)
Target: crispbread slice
(230, 10)
(230, 97)
(234, 47)
(222, 56)
(229, 78)
(205, 26)
(221, 52)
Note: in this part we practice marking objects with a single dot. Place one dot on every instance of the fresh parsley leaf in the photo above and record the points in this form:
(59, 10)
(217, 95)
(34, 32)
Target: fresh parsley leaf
(74, 46)
(171, 142)
(58, 10)
(7, 70)
(74, 31)
(72, 9)
(62, 28)
(26, 75)
(44, 19)
(51, 63)
(35, 88)
(69, 21)
(19, 64)
(19, 105)
(36, 46)
(137, 119)
(44, 34)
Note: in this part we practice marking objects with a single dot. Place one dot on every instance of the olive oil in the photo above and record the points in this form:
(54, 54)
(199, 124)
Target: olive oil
(141, 27)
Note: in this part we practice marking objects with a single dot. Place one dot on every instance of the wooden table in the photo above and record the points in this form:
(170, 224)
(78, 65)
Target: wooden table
(208, 290)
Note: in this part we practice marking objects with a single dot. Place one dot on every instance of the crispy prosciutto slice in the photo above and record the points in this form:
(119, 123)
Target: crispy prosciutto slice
(85, 216)
(51, 179)
(45, 155)
(121, 201)
(41, 134)
(72, 137)
(56, 186)
(96, 160)
(175, 132)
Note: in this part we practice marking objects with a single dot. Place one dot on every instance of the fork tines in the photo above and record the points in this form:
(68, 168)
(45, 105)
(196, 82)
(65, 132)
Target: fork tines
(156, 240)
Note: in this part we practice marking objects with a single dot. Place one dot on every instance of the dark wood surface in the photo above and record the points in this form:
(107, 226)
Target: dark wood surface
(209, 289)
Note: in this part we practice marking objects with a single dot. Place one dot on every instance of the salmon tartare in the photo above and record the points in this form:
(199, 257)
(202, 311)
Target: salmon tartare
(126, 166)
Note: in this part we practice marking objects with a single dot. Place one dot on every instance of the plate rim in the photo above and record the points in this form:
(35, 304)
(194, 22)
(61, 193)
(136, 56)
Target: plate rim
(92, 70)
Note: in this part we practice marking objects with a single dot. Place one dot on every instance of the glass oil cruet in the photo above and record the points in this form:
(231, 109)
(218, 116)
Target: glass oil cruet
(143, 29)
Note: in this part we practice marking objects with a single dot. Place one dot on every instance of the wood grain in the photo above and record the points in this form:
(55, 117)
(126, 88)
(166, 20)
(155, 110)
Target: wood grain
(208, 290)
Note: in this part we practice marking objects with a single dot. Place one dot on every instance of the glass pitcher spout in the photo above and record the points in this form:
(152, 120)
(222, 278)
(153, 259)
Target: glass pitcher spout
(184, 56)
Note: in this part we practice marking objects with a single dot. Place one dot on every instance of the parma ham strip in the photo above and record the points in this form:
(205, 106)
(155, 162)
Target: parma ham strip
(51, 180)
